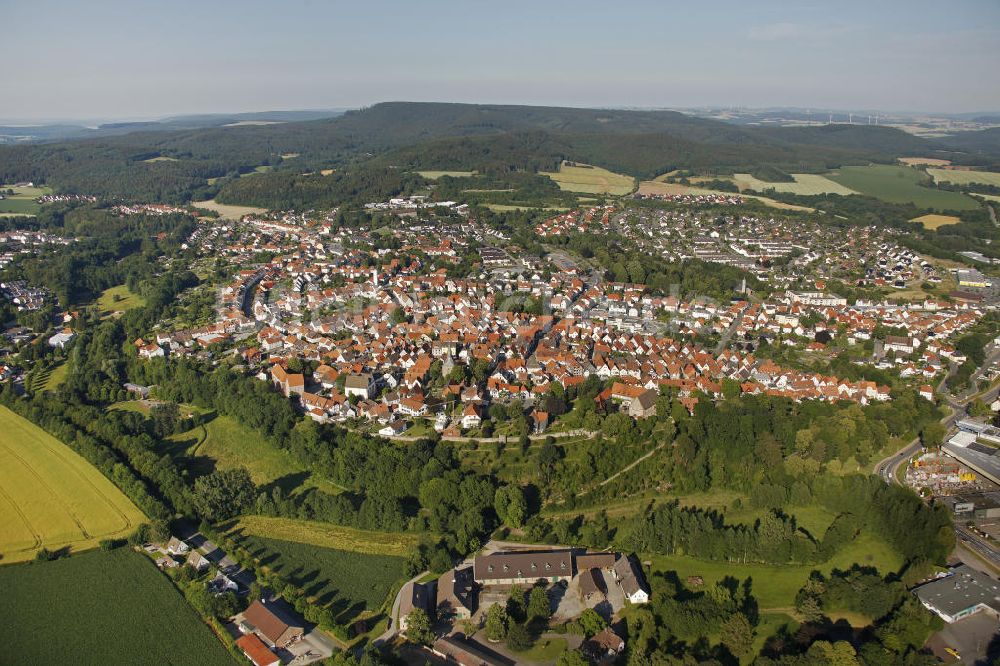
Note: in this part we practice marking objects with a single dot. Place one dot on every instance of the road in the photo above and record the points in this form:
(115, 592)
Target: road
(727, 336)
(393, 627)
(977, 544)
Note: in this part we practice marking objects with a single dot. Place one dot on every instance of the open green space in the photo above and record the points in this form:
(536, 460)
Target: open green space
(590, 180)
(804, 183)
(50, 378)
(434, 175)
(899, 184)
(22, 201)
(346, 583)
(776, 586)
(119, 298)
(960, 177)
(328, 535)
(50, 497)
(101, 608)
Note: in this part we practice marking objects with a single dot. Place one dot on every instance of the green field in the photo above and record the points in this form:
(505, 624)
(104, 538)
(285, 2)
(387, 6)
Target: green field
(805, 183)
(965, 177)
(591, 180)
(899, 184)
(344, 582)
(227, 211)
(776, 586)
(327, 535)
(51, 497)
(101, 608)
(22, 202)
(224, 443)
(50, 379)
(161, 158)
(119, 298)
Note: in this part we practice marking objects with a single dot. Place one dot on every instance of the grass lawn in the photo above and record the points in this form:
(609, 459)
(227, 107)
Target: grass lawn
(228, 211)
(900, 184)
(590, 180)
(805, 183)
(434, 175)
(52, 378)
(327, 535)
(119, 298)
(347, 583)
(934, 221)
(965, 177)
(224, 443)
(22, 202)
(101, 608)
(51, 497)
(545, 650)
(776, 586)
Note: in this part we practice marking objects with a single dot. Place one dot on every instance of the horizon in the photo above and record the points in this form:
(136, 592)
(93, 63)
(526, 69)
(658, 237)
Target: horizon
(118, 61)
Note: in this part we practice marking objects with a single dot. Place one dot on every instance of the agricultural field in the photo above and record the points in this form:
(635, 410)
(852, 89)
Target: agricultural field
(805, 183)
(117, 299)
(934, 221)
(51, 497)
(965, 177)
(923, 161)
(345, 583)
(590, 180)
(22, 202)
(434, 175)
(327, 535)
(659, 187)
(776, 586)
(102, 608)
(899, 184)
(224, 443)
(161, 158)
(227, 211)
(503, 207)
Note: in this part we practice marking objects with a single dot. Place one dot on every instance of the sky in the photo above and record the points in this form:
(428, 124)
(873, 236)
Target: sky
(95, 59)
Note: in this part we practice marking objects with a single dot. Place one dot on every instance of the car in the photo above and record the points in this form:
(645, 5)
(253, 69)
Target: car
(953, 652)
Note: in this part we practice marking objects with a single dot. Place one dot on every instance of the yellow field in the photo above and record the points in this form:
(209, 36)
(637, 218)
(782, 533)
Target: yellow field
(227, 211)
(988, 197)
(805, 183)
(933, 221)
(965, 177)
(591, 180)
(434, 175)
(327, 535)
(654, 187)
(926, 161)
(51, 497)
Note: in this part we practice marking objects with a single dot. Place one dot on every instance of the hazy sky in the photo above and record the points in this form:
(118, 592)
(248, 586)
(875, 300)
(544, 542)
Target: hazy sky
(129, 59)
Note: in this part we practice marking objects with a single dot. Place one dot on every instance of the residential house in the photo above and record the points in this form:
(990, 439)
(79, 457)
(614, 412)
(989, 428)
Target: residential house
(359, 384)
(603, 646)
(255, 650)
(630, 580)
(413, 596)
(456, 594)
(271, 623)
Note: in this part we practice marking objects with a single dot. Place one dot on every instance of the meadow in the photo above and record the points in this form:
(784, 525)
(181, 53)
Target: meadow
(22, 202)
(434, 175)
(224, 443)
(346, 583)
(590, 180)
(328, 535)
(118, 298)
(925, 161)
(900, 184)
(101, 608)
(51, 497)
(965, 177)
(808, 184)
(50, 378)
(228, 211)
(934, 220)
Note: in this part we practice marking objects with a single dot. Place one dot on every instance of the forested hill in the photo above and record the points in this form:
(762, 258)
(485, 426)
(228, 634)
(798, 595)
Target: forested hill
(176, 166)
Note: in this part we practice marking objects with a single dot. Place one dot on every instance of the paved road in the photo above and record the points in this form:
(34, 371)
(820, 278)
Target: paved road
(977, 544)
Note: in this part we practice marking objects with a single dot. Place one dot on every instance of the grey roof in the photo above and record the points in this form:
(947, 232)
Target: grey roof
(964, 589)
(628, 575)
(983, 459)
(536, 564)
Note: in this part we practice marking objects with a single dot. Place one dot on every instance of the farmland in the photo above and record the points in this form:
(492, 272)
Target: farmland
(926, 161)
(327, 535)
(965, 177)
(107, 608)
(434, 175)
(934, 221)
(343, 582)
(805, 183)
(899, 184)
(118, 298)
(590, 180)
(227, 211)
(51, 497)
(22, 202)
